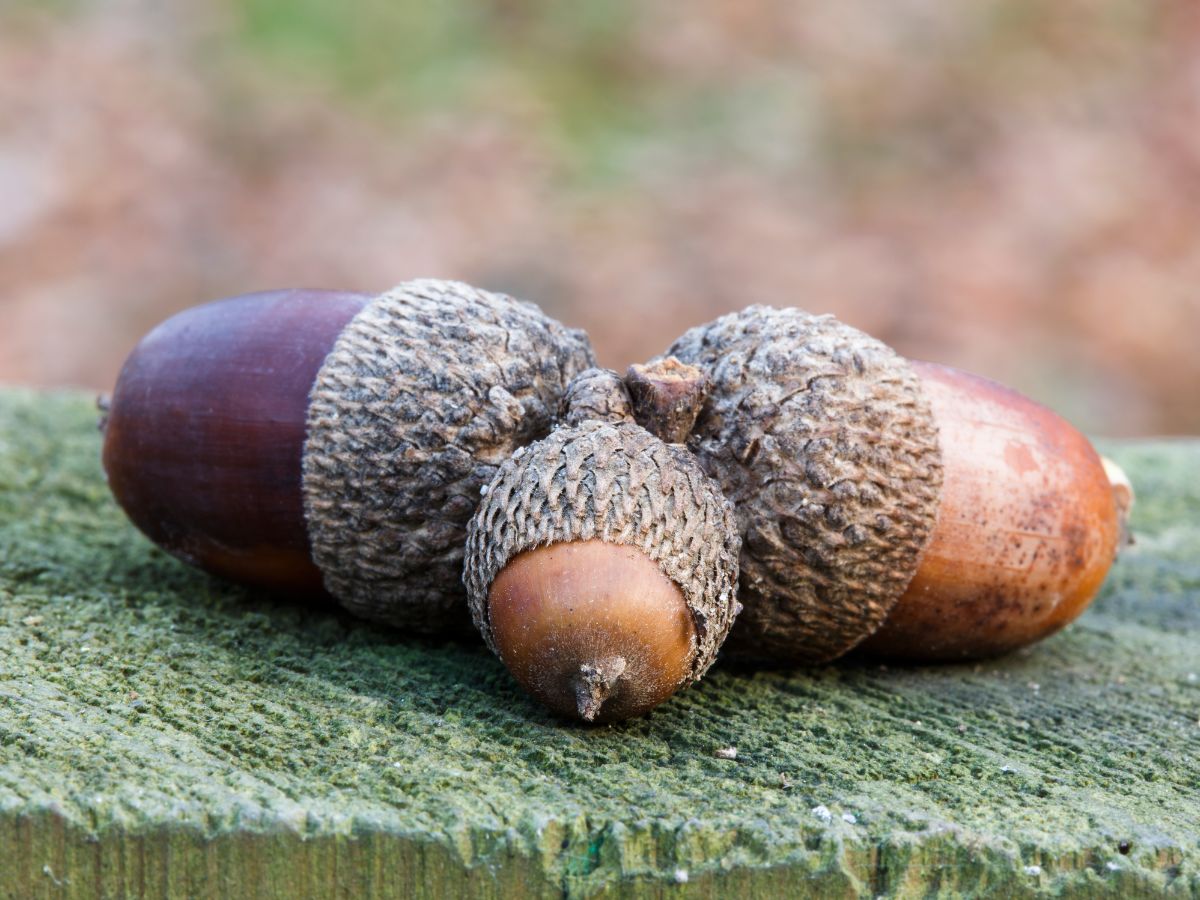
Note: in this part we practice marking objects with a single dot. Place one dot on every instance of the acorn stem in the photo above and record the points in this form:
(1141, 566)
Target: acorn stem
(667, 397)
(594, 684)
(598, 394)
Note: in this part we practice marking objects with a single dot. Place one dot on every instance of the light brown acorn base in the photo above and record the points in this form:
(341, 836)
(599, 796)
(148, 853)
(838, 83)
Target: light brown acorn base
(593, 630)
(1027, 527)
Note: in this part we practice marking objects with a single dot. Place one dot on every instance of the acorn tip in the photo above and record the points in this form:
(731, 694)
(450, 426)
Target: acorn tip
(1123, 496)
(595, 683)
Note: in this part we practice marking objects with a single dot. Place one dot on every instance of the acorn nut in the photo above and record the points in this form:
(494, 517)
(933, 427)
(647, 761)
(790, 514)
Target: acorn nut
(919, 511)
(602, 563)
(301, 440)
(1029, 523)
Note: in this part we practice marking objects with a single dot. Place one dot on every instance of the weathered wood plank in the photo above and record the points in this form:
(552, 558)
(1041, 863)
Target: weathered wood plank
(163, 734)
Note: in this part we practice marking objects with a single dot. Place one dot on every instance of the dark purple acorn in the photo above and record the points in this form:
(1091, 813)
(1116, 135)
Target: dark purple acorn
(305, 440)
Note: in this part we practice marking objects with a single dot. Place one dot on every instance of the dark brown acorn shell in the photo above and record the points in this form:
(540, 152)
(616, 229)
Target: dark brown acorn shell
(301, 440)
(205, 428)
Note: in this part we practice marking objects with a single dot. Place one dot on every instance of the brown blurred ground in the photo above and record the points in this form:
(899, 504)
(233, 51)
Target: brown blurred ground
(1011, 187)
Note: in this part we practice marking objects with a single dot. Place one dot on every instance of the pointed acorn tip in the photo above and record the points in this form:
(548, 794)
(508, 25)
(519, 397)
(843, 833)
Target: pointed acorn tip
(595, 683)
(1123, 497)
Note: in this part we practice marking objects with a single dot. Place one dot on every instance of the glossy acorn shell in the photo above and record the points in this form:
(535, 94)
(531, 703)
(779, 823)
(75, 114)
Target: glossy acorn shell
(552, 607)
(1027, 527)
(601, 567)
(205, 433)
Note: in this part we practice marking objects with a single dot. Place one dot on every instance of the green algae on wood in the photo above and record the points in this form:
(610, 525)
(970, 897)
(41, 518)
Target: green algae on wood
(164, 734)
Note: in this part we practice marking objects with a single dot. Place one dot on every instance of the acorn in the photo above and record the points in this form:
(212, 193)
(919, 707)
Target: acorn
(921, 512)
(602, 563)
(1029, 522)
(309, 441)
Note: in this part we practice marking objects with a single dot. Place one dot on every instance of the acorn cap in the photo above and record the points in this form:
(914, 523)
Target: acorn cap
(617, 483)
(426, 391)
(823, 440)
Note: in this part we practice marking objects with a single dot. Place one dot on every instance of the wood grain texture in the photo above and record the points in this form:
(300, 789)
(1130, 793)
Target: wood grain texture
(163, 734)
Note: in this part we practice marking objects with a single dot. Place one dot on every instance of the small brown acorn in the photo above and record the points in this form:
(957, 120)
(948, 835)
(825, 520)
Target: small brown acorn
(602, 563)
(300, 440)
(926, 512)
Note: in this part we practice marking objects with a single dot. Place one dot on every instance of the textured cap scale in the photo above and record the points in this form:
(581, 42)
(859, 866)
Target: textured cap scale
(823, 440)
(427, 390)
(617, 483)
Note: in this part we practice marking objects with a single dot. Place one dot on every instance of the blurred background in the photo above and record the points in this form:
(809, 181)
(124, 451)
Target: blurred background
(1010, 186)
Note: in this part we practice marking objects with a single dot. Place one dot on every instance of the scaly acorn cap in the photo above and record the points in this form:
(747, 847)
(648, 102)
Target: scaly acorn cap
(611, 481)
(426, 392)
(822, 438)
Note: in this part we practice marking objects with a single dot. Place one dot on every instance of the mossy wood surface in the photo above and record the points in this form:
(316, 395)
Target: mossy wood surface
(166, 735)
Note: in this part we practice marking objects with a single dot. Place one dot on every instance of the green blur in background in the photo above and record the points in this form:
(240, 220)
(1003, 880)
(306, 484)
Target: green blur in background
(1010, 187)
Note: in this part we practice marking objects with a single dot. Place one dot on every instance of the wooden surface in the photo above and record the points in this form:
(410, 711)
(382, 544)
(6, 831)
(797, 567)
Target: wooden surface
(164, 734)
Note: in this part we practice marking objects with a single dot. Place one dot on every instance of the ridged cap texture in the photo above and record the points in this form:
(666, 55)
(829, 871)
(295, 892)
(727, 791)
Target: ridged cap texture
(598, 394)
(823, 440)
(425, 393)
(617, 483)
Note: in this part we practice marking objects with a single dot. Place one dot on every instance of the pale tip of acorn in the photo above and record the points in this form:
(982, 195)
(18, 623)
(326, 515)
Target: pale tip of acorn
(1123, 496)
